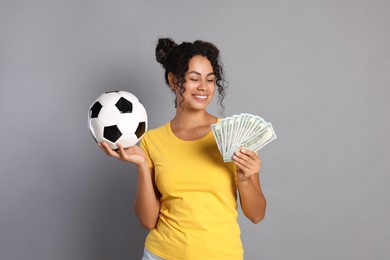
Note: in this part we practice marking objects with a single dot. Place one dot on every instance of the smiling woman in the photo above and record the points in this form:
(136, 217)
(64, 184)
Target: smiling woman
(199, 84)
(176, 59)
(186, 194)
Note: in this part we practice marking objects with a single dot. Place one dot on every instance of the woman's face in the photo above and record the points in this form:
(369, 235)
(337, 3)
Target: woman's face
(199, 84)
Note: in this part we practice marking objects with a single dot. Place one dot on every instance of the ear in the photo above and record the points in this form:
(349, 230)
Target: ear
(172, 81)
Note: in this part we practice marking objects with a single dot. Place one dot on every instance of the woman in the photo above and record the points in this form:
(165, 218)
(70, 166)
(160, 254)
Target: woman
(186, 195)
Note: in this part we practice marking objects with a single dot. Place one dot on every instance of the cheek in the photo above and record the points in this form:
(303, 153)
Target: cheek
(189, 86)
(213, 89)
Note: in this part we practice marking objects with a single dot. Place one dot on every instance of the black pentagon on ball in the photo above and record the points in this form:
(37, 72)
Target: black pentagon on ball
(124, 105)
(95, 109)
(112, 133)
(140, 130)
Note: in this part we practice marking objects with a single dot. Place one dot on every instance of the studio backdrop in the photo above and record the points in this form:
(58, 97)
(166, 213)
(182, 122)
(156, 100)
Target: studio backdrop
(318, 70)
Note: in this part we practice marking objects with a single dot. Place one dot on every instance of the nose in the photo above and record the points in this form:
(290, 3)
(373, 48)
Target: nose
(202, 85)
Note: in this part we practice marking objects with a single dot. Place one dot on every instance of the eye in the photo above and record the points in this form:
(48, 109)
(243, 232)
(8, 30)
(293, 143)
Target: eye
(211, 80)
(193, 79)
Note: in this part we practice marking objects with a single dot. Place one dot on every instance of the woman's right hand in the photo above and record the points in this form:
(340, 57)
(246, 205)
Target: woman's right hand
(132, 154)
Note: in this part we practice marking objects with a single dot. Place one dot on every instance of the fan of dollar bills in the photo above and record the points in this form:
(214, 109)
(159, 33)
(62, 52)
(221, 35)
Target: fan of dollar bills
(244, 130)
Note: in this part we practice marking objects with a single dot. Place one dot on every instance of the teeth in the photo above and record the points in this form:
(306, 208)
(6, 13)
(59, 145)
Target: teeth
(200, 97)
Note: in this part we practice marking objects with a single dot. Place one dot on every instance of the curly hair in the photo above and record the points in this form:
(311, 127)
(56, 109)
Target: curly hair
(175, 58)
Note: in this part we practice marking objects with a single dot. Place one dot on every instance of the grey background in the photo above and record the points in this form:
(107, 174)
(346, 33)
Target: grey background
(318, 70)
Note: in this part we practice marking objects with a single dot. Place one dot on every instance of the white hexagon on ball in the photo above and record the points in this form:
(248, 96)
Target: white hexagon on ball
(109, 115)
(109, 98)
(96, 129)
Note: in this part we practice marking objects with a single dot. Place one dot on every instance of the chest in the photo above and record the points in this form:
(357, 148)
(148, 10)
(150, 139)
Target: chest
(186, 168)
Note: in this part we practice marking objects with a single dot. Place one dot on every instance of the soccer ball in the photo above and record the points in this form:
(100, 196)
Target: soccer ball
(117, 117)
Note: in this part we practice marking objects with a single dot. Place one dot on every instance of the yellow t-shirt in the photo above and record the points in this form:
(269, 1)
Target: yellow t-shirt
(198, 214)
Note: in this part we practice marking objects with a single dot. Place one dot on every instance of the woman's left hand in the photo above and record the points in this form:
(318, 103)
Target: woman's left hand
(248, 163)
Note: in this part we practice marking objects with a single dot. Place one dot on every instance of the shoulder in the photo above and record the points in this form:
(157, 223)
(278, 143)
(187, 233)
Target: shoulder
(153, 137)
(156, 132)
(214, 119)
(158, 129)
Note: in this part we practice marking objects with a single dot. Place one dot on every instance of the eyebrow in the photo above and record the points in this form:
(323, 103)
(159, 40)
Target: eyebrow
(197, 73)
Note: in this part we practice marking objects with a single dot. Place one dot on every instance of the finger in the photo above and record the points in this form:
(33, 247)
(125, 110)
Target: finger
(249, 153)
(243, 155)
(136, 148)
(241, 162)
(103, 146)
(248, 166)
(122, 152)
(243, 170)
(238, 164)
(251, 157)
(109, 151)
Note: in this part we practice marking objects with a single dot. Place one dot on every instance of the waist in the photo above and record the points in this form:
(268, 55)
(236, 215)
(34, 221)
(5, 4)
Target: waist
(176, 240)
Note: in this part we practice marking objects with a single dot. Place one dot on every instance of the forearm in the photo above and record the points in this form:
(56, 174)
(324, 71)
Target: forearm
(147, 205)
(253, 202)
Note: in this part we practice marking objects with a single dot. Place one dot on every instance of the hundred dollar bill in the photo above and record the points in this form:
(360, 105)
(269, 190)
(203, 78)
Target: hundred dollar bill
(259, 141)
(255, 143)
(229, 133)
(216, 129)
(247, 122)
(243, 130)
(255, 123)
(236, 125)
(223, 135)
(256, 129)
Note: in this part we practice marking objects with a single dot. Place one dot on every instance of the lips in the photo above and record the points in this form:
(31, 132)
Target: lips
(200, 97)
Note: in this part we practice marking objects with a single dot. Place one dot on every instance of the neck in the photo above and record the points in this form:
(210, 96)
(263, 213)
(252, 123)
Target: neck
(191, 119)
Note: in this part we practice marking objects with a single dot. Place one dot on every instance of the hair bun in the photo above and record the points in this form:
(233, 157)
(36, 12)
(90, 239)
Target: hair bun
(163, 48)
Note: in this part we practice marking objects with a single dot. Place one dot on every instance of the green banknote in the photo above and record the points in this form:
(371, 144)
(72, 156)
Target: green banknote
(243, 130)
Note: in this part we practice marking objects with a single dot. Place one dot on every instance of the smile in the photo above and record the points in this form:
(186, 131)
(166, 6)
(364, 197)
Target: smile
(200, 97)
